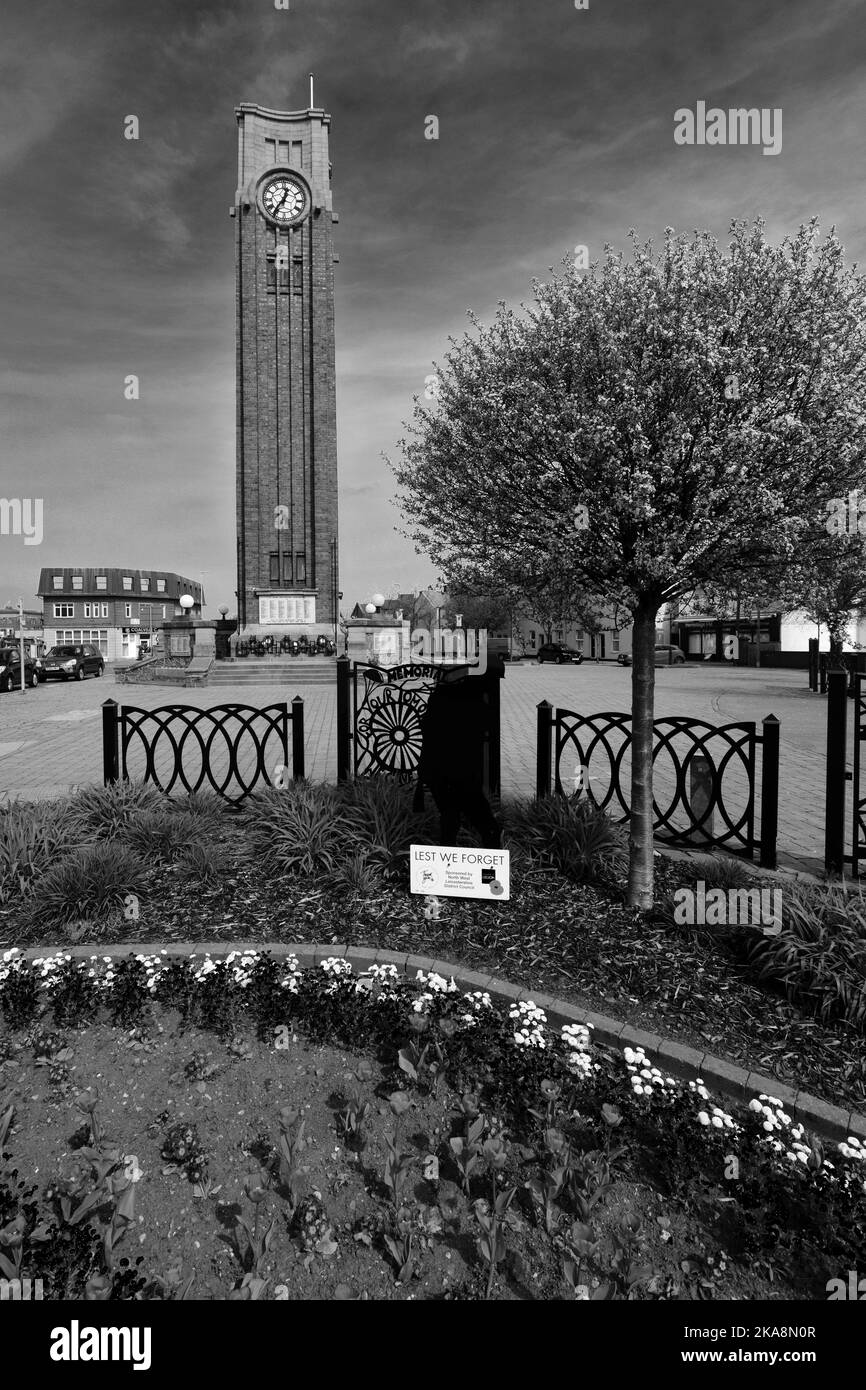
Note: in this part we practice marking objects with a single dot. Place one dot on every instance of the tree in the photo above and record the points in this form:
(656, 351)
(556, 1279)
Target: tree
(701, 404)
(837, 591)
(491, 613)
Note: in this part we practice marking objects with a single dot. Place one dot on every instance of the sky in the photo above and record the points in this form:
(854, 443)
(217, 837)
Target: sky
(556, 129)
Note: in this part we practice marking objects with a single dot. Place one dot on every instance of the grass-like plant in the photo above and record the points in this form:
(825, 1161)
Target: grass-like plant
(161, 835)
(819, 957)
(32, 834)
(106, 812)
(299, 829)
(88, 883)
(384, 824)
(569, 834)
(202, 863)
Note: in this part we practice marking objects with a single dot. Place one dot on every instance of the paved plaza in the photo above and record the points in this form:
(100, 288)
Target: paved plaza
(50, 738)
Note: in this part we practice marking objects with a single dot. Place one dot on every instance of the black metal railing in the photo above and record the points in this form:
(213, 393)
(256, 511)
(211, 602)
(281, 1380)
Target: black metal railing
(232, 748)
(704, 775)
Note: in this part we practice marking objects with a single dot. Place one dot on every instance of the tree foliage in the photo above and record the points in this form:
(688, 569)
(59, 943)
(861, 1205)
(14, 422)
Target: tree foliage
(702, 403)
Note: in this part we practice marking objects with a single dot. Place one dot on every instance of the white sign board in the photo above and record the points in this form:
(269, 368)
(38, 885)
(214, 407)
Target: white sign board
(452, 871)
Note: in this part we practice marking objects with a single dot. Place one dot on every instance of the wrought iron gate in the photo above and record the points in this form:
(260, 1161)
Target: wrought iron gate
(379, 712)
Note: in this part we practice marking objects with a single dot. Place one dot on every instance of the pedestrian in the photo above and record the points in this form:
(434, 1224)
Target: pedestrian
(454, 727)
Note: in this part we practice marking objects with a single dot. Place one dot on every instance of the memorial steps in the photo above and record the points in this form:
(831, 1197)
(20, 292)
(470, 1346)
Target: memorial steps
(286, 671)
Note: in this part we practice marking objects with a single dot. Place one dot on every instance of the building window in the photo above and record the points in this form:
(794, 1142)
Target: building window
(104, 613)
(145, 585)
(87, 610)
(101, 581)
(58, 581)
(274, 573)
(64, 610)
(163, 610)
(300, 568)
(287, 567)
(614, 641)
(532, 637)
(77, 581)
(160, 587)
(578, 637)
(128, 610)
(298, 154)
(127, 582)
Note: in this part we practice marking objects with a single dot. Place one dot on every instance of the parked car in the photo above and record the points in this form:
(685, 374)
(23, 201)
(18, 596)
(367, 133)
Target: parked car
(10, 669)
(68, 662)
(555, 651)
(669, 656)
(665, 656)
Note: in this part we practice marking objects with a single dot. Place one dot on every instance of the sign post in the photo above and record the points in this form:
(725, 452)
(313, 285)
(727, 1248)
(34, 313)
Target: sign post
(21, 638)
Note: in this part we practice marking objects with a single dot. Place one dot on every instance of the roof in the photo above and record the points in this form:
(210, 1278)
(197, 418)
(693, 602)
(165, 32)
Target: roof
(175, 584)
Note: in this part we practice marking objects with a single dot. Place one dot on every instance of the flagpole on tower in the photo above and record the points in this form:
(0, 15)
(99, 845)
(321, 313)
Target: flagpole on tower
(312, 103)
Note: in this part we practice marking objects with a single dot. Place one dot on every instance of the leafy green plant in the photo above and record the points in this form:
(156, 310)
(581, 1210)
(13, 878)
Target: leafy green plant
(88, 883)
(300, 829)
(359, 874)
(161, 835)
(32, 834)
(819, 957)
(491, 1241)
(106, 812)
(569, 834)
(466, 1148)
(401, 1253)
(383, 823)
(182, 1148)
(251, 1241)
(397, 1165)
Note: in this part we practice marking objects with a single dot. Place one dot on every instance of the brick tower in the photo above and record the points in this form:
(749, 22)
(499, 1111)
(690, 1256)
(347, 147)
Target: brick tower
(286, 400)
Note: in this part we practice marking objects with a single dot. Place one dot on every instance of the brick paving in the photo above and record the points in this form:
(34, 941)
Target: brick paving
(50, 738)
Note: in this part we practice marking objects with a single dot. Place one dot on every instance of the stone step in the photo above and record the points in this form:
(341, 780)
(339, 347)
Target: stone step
(284, 671)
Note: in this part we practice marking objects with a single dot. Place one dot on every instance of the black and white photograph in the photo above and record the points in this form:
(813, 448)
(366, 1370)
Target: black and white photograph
(432, 670)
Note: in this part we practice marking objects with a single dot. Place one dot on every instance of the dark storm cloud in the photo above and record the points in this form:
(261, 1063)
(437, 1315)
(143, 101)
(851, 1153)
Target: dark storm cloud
(556, 128)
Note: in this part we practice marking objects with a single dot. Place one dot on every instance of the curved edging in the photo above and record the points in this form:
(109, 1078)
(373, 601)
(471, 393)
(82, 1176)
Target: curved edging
(814, 1114)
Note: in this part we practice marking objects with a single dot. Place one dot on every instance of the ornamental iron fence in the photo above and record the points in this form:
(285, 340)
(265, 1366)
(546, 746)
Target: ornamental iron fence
(704, 775)
(233, 749)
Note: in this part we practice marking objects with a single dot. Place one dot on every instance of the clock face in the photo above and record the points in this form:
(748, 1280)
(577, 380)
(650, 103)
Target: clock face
(283, 199)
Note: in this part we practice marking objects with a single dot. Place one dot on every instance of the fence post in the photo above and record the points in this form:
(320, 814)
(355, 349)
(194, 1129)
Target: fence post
(297, 739)
(492, 680)
(110, 742)
(769, 792)
(343, 734)
(837, 731)
(542, 749)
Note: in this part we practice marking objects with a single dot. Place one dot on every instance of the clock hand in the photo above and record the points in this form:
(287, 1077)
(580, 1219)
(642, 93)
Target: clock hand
(282, 200)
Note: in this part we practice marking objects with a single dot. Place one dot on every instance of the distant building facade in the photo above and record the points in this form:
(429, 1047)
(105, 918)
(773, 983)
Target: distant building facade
(112, 608)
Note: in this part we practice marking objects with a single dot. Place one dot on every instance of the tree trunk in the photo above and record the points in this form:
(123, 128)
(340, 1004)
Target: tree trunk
(758, 636)
(640, 837)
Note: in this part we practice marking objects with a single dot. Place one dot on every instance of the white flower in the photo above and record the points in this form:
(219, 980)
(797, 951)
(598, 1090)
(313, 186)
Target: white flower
(703, 1117)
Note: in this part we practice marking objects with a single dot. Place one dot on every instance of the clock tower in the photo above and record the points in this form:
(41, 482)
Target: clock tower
(286, 400)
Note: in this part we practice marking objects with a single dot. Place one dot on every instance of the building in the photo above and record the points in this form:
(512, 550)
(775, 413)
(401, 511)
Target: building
(287, 557)
(112, 608)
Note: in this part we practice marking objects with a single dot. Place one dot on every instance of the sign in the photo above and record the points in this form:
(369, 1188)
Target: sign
(289, 608)
(453, 871)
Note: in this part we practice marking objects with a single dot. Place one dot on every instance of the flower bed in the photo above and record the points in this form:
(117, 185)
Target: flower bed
(244, 1128)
